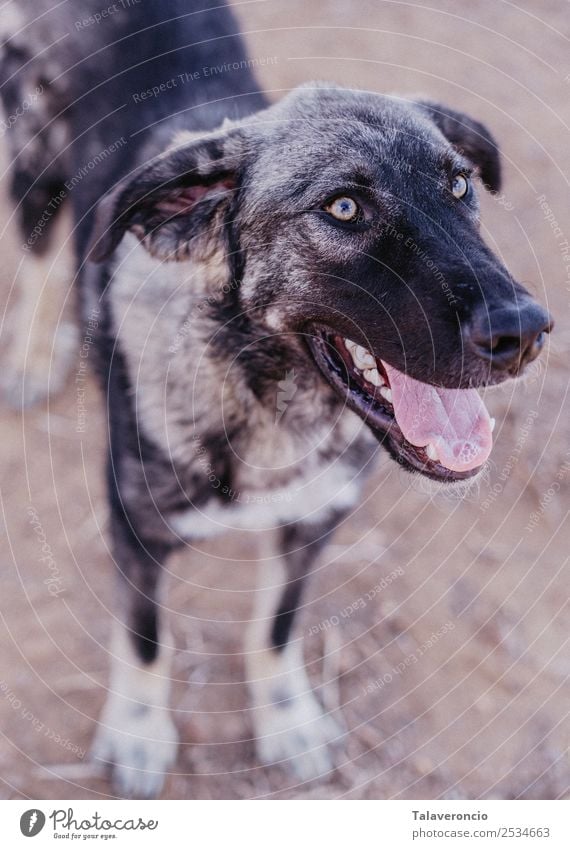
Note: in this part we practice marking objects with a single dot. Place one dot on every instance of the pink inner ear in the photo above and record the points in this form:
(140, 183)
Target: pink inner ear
(181, 201)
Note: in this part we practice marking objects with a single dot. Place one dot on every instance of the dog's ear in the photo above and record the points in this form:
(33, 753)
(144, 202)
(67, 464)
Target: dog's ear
(471, 138)
(172, 200)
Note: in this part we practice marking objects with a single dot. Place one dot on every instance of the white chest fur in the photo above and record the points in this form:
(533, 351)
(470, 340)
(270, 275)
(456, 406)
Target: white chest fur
(311, 500)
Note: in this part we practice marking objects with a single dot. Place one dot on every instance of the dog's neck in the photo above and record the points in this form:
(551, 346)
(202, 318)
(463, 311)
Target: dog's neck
(189, 344)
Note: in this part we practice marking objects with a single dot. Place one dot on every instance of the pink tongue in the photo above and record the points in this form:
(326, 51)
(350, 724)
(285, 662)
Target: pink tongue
(454, 421)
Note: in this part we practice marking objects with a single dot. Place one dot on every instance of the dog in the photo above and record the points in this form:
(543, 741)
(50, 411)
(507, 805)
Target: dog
(281, 291)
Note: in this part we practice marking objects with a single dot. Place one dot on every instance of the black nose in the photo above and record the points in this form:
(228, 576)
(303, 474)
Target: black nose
(508, 337)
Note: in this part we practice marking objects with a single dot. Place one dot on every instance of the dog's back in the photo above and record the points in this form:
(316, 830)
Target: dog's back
(103, 88)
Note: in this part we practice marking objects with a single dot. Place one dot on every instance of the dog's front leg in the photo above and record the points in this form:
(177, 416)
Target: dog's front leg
(290, 725)
(136, 734)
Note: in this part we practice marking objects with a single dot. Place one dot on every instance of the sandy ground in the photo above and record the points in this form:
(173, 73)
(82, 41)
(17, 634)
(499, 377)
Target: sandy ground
(482, 711)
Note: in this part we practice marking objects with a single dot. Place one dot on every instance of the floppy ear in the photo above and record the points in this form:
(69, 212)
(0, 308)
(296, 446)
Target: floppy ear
(171, 200)
(471, 138)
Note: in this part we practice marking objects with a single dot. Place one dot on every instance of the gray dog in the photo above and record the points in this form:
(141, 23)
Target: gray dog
(280, 291)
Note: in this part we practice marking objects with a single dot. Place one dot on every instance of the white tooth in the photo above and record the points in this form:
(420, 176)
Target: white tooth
(349, 345)
(493, 423)
(386, 393)
(431, 451)
(365, 357)
(372, 375)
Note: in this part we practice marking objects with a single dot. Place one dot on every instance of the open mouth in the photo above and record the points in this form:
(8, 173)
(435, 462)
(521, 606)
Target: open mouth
(446, 434)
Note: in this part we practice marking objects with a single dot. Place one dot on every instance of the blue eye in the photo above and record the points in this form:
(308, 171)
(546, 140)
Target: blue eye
(343, 209)
(459, 186)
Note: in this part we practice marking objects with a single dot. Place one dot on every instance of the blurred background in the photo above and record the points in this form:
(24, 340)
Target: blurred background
(438, 627)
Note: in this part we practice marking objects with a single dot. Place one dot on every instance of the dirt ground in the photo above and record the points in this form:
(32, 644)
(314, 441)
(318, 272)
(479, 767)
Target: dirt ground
(437, 628)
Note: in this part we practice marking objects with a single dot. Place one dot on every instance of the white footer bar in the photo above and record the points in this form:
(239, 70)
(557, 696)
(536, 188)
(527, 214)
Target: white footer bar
(299, 824)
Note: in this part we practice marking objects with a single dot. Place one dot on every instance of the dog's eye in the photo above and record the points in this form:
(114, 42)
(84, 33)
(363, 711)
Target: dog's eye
(459, 186)
(344, 209)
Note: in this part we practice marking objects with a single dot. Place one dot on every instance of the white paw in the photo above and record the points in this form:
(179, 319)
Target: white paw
(139, 743)
(297, 734)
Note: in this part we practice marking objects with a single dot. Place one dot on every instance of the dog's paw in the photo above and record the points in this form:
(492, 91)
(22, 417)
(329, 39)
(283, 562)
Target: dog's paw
(139, 744)
(32, 373)
(298, 735)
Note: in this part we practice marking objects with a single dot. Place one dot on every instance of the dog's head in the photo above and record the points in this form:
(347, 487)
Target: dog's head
(350, 221)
